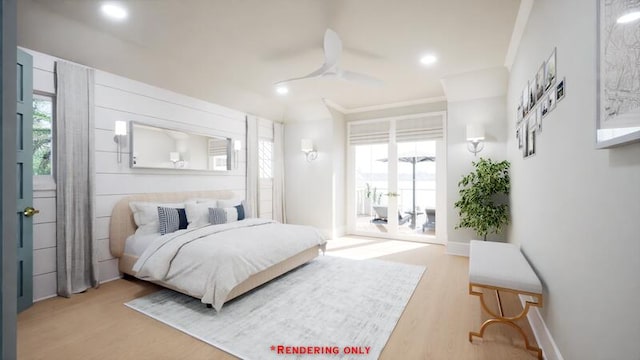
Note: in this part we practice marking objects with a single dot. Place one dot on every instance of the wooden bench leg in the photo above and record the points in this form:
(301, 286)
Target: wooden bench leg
(500, 318)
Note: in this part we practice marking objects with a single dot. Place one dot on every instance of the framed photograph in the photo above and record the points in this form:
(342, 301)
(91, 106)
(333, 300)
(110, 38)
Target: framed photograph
(525, 100)
(538, 122)
(560, 90)
(533, 85)
(519, 114)
(618, 120)
(540, 83)
(550, 72)
(524, 133)
(544, 106)
(531, 139)
(552, 98)
(519, 137)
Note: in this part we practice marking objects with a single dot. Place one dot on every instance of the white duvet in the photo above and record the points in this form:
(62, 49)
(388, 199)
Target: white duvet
(208, 262)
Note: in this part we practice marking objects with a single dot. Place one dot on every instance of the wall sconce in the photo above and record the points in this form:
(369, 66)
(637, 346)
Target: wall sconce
(475, 138)
(174, 157)
(237, 146)
(306, 145)
(120, 137)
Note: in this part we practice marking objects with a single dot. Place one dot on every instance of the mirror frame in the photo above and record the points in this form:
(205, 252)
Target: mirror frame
(228, 140)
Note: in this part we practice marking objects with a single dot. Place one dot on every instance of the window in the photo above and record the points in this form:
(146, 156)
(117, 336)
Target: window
(42, 134)
(265, 159)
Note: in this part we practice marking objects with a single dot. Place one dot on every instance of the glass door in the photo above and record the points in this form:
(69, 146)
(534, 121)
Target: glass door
(392, 183)
(376, 195)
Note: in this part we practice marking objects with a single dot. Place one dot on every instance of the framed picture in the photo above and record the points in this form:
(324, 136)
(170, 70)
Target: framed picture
(618, 112)
(560, 90)
(540, 83)
(544, 106)
(519, 114)
(552, 98)
(550, 72)
(525, 100)
(532, 93)
(524, 133)
(531, 138)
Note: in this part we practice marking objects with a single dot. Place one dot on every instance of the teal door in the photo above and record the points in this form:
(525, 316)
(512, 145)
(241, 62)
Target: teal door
(24, 172)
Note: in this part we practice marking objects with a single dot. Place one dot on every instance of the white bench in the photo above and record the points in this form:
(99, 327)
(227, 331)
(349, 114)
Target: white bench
(502, 267)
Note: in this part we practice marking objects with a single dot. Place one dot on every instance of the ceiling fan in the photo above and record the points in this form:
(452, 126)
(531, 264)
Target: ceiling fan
(331, 69)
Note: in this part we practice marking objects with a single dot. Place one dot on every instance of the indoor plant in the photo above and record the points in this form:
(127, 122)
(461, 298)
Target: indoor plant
(482, 205)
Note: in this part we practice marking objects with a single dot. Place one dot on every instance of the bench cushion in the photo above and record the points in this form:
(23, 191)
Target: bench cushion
(501, 265)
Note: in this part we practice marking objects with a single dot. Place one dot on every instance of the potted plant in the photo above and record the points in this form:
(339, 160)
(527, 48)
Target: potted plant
(482, 205)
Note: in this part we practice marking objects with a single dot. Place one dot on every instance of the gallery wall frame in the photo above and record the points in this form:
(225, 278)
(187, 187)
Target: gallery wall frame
(618, 84)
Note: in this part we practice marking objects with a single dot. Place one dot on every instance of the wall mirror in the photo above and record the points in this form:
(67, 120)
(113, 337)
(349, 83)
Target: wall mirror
(159, 148)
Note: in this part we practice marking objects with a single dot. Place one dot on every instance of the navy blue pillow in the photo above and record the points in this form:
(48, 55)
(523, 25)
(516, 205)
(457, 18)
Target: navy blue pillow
(240, 210)
(171, 219)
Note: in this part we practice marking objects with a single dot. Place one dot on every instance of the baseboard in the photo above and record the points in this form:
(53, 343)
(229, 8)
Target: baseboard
(45, 298)
(112, 279)
(541, 332)
(457, 248)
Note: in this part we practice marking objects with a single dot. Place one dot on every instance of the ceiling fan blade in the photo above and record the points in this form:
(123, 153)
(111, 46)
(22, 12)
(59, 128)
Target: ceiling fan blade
(332, 48)
(325, 67)
(360, 78)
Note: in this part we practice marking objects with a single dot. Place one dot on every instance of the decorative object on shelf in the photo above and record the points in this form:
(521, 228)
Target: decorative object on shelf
(618, 118)
(306, 145)
(483, 204)
(120, 137)
(475, 138)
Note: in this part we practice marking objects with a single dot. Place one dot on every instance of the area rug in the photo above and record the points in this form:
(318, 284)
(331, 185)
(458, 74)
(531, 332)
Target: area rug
(330, 308)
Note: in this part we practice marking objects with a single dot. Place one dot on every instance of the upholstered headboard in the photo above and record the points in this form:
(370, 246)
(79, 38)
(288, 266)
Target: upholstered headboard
(122, 224)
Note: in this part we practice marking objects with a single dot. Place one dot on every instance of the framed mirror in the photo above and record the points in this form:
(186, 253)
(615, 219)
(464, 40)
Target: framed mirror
(160, 148)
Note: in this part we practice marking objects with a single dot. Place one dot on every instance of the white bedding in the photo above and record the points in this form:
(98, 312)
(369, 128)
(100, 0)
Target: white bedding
(208, 262)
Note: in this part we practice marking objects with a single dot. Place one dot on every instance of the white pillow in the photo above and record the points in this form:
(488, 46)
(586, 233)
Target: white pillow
(198, 213)
(145, 215)
(229, 203)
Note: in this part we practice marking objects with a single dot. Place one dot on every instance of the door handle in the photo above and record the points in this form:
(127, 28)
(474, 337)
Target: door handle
(391, 194)
(29, 211)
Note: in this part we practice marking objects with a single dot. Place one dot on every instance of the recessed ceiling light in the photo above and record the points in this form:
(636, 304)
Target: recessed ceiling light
(428, 60)
(282, 90)
(629, 17)
(114, 11)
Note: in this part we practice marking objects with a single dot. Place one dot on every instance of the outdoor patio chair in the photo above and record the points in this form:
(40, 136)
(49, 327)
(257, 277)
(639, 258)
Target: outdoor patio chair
(381, 212)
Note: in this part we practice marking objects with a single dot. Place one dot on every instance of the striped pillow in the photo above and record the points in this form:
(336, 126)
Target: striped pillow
(222, 215)
(171, 219)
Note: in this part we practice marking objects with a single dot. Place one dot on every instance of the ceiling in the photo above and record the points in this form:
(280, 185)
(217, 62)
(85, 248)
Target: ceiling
(231, 52)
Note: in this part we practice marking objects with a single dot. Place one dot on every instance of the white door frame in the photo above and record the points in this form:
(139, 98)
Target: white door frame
(441, 181)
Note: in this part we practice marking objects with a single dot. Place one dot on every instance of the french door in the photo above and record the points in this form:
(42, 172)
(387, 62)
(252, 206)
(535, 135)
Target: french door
(396, 184)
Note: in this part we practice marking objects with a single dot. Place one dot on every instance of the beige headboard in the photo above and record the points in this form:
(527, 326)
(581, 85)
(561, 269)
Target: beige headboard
(122, 224)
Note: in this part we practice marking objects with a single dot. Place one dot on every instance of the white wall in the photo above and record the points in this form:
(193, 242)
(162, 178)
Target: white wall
(476, 97)
(576, 209)
(118, 98)
(339, 180)
(309, 193)
(491, 113)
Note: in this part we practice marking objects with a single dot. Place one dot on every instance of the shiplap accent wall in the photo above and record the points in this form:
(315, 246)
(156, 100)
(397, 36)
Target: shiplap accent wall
(118, 98)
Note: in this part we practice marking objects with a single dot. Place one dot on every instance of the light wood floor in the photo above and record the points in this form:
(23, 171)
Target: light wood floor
(434, 325)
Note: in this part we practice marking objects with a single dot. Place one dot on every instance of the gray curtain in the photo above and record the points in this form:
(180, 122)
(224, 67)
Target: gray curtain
(77, 264)
(279, 210)
(252, 166)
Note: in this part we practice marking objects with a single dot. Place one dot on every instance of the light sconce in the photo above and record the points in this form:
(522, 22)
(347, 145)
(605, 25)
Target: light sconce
(475, 138)
(120, 137)
(306, 145)
(174, 157)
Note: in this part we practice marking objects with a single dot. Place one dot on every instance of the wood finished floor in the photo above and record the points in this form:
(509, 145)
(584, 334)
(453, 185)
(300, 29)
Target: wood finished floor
(434, 325)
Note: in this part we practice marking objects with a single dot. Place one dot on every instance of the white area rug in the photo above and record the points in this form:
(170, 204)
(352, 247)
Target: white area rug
(331, 308)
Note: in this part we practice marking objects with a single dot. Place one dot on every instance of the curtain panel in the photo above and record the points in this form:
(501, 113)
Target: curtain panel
(77, 265)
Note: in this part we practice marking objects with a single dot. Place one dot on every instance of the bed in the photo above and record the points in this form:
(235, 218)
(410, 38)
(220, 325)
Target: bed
(123, 226)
